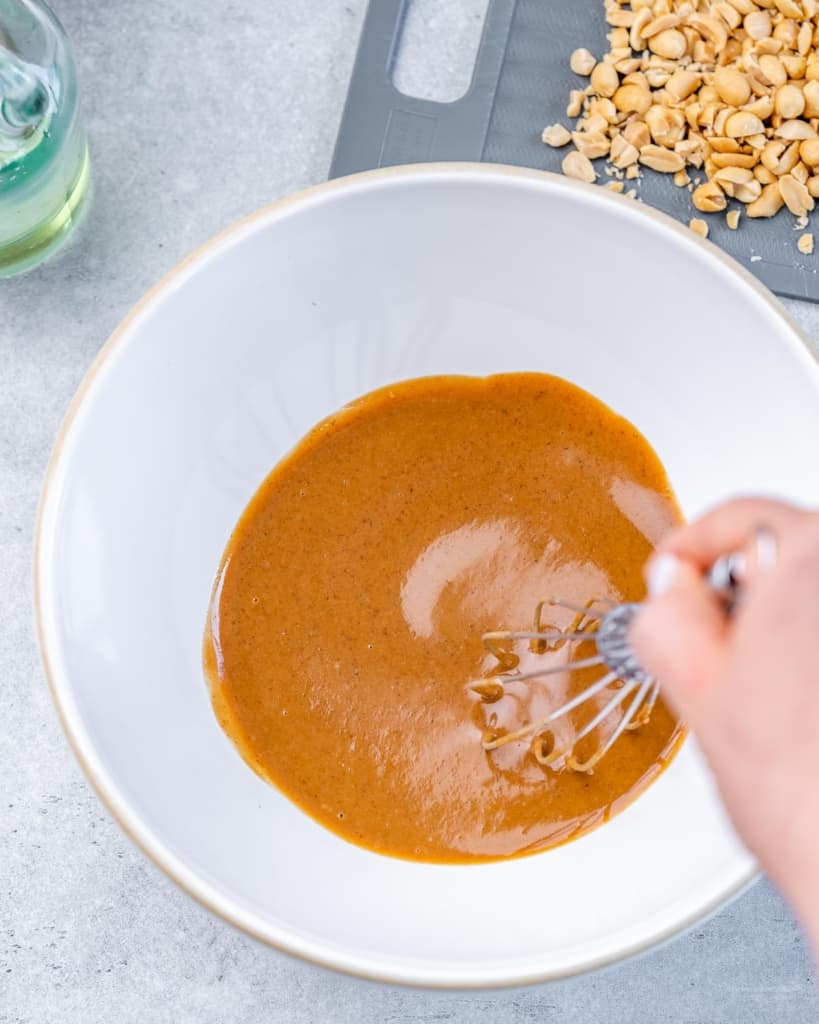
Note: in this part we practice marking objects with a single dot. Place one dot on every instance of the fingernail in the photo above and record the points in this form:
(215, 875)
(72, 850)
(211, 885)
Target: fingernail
(662, 573)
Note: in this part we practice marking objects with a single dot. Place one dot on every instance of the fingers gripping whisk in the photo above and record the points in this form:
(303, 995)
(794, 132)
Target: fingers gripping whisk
(633, 690)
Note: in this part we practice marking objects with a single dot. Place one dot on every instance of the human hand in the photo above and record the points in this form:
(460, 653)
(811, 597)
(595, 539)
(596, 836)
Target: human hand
(748, 684)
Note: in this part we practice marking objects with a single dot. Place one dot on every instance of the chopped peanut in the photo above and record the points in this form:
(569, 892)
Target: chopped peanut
(769, 203)
(709, 198)
(582, 62)
(795, 195)
(660, 159)
(728, 87)
(592, 144)
(632, 99)
(743, 123)
(671, 43)
(604, 80)
(623, 154)
(809, 152)
(576, 98)
(733, 86)
(556, 135)
(575, 165)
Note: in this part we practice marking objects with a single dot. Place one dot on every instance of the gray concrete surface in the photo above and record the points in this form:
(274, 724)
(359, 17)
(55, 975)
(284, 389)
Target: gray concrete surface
(198, 113)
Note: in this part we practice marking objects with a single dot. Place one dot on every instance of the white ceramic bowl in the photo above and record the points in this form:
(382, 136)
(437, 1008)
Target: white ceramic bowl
(223, 366)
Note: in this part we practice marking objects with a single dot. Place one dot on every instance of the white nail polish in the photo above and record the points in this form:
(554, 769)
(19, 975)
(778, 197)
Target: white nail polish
(662, 574)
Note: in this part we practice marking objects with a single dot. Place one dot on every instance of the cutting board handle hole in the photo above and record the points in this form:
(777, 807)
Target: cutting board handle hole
(445, 36)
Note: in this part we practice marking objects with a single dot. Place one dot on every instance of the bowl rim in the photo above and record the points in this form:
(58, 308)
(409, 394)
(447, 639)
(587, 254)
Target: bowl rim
(208, 895)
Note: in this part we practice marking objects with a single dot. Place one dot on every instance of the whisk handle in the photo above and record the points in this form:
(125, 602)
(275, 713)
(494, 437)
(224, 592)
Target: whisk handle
(728, 574)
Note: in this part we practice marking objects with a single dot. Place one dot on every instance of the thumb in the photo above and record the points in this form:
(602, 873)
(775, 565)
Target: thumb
(678, 635)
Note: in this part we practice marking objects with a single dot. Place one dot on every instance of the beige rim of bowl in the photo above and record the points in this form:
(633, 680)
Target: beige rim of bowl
(107, 790)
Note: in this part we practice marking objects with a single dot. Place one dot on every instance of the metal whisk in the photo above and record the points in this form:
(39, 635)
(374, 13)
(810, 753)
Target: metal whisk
(623, 673)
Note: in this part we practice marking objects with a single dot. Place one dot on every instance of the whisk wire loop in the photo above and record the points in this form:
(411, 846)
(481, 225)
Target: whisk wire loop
(606, 625)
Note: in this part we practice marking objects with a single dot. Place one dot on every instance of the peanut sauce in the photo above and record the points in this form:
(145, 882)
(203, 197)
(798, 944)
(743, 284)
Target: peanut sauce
(346, 619)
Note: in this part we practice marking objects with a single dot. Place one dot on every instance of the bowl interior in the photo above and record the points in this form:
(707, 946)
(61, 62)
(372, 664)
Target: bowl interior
(222, 369)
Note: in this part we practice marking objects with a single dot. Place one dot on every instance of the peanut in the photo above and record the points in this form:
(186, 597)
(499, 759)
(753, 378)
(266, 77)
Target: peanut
(582, 61)
(623, 154)
(632, 99)
(591, 144)
(681, 84)
(556, 135)
(604, 80)
(732, 86)
(769, 203)
(790, 101)
(576, 165)
(791, 130)
(811, 94)
(743, 123)
(709, 198)
(773, 70)
(795, 195)
(660, 24)
(790, 8)
(660, 159)
(637, 40)
(743, 6)
(809, 152)
(735, 160)
(762, 107)
(758, 24)
(576, 98)
(804, 40)
(801, 173)
(671, 43)
(666, 126)
(638, 134)
(794, 65)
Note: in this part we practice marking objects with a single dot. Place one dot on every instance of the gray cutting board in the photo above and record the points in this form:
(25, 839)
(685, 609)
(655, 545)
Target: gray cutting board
(520, 84)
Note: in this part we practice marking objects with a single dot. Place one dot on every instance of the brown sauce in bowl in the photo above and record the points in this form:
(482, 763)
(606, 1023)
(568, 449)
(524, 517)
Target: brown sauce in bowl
(346, 619)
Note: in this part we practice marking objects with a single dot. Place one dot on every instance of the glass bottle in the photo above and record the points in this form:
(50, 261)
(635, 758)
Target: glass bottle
(43, 153)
